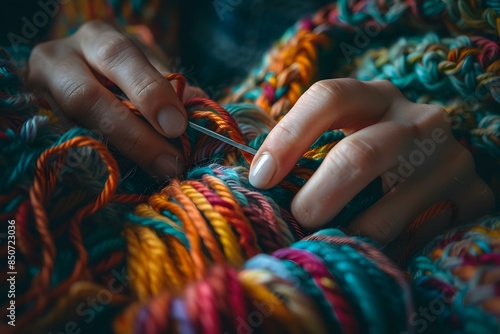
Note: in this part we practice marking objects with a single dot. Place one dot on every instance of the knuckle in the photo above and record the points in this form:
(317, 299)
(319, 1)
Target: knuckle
(436, 115)
(323, 87)
(77, 94)
(339, 166)
(353, 156)
(286, 132)
(389, 87)
(143, 87)
(91, 27)
(112, 50)
(40, 55)
(42, 51)
(333, 90)
(428, 118)
(133, 142)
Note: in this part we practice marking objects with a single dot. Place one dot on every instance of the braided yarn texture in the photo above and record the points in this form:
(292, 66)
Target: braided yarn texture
(101, 246)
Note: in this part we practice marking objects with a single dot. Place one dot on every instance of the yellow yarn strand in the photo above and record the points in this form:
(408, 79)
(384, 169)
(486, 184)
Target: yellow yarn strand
(135, 263)
(159, 263)
(161, 201)
(225, 194)
(228, 240)
(280, 314)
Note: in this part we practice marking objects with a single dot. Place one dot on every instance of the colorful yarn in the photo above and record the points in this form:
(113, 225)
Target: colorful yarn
(459, 73)
(459, 272)
(89, 224)
(171, 239)
(325, 272)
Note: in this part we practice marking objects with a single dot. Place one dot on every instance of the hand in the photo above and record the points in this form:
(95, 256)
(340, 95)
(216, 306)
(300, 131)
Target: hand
(72, 72)
(410, 145)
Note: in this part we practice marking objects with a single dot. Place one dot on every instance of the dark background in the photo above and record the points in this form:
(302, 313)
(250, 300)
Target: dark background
(215, 49)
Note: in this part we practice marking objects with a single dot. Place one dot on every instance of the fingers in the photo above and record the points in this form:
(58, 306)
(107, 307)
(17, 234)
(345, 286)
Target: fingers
(329, 104)
(114, 56)
(348, 168)
(387, 133)
(471, 194)
(457, 182)
(71, 70)
(74, 88)
(387, 218)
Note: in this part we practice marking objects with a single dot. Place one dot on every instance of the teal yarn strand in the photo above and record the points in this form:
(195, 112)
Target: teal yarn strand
(158, 226)
(425, 68)
(447, 282)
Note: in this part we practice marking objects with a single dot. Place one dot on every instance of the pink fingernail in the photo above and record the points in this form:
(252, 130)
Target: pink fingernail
(262, 171)
(171, 121)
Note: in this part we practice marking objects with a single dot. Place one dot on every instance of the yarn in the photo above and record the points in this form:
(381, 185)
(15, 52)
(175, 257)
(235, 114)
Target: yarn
(458, 272)
(189, 256)
(171, 238)
(329, 272)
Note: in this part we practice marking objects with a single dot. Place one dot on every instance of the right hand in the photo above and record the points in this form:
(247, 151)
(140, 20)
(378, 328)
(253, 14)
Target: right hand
(71, 71)
(385, 134)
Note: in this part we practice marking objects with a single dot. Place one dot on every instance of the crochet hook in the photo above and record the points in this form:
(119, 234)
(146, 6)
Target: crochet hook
(220, 137)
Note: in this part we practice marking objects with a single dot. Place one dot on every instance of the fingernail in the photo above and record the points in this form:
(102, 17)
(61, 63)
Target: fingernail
(263, 170)
(171, 121)
(167, 165)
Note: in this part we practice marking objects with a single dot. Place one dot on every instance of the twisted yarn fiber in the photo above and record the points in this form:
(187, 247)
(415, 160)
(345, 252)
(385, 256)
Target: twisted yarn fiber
(457, 276)
(458, 72)
(71, 231)
(99, 245)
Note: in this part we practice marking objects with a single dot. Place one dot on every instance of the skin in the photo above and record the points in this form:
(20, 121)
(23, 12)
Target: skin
(382, 125)
(71, 73)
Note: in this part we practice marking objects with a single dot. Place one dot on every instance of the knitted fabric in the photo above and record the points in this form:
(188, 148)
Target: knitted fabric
(100, 246)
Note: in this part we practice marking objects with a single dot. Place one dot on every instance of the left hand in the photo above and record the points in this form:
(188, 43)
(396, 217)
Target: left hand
(388, 135)
(71, 73)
